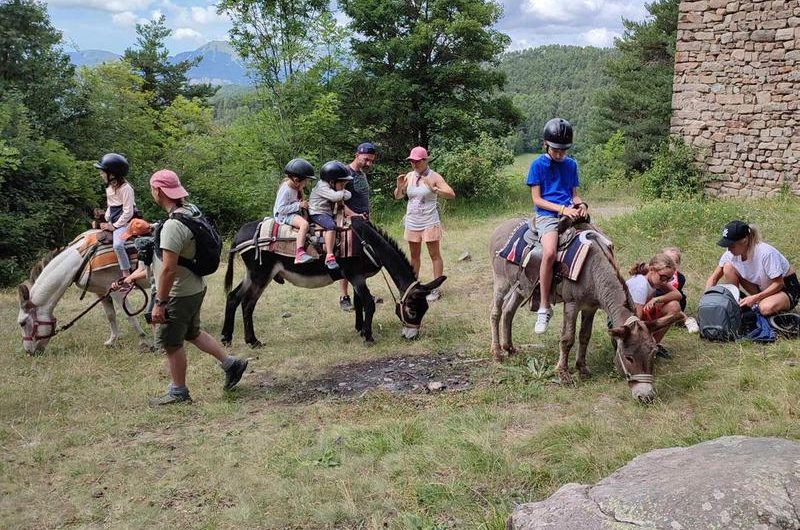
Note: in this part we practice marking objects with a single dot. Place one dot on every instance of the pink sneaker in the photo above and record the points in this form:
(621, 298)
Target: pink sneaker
(330, 262)
(302, 257)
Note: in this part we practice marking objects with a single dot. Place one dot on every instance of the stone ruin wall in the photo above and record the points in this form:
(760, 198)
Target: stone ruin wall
(736, 93)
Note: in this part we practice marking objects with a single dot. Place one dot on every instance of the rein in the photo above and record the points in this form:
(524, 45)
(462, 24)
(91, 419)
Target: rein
(369, 252)
(53, 322)
(632, 378)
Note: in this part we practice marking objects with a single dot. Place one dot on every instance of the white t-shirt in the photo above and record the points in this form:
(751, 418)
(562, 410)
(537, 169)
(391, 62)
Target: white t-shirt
(765, 265)
(640, 288)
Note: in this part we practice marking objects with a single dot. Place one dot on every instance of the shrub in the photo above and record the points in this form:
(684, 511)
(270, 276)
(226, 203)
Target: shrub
(674, 173)
(605, 163)
(475, 170)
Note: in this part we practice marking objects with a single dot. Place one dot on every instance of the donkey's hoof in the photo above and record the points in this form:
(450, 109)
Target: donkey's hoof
(145, 347)
(585, 373)
(225, 340)
(256, 344)
(509, 349)
(497, 353)
(110, 343)
(564, 378)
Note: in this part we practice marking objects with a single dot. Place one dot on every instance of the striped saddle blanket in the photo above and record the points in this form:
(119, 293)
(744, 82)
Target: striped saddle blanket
(281, 239)
(102, 254)
(573, 247)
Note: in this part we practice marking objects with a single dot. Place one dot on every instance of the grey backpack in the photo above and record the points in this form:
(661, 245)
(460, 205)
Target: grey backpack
(718, 315)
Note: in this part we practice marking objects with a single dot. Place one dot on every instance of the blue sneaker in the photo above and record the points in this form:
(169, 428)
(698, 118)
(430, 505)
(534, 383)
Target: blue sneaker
(330, 262)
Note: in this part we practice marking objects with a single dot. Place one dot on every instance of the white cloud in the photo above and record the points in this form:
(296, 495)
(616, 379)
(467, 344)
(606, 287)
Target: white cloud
(114, 6)
(155, 15)
(127, 19)
(600, 37)
(188, 34)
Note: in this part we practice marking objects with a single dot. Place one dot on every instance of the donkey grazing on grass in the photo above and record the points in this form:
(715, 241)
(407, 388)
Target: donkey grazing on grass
(600, 286)
(49, 280)
(375, 250)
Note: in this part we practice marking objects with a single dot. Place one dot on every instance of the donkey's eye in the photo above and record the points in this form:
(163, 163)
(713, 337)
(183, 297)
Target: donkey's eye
(629, 358)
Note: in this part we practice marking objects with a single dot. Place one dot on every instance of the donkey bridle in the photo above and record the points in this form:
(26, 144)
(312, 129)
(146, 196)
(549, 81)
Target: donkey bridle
(632, 378)
(53, 321)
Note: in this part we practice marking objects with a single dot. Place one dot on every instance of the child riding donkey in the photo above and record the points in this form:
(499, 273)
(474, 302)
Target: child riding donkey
(121, 205)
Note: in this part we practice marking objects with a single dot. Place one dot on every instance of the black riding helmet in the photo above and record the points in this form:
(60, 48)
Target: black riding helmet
(558, 133)
(113, 164)
(333, 171)
(298, 167)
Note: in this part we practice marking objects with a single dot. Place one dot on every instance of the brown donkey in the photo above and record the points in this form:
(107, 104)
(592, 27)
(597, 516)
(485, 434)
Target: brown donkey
(600, 286)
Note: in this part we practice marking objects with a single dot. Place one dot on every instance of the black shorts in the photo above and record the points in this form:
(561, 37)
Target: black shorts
(792, 289)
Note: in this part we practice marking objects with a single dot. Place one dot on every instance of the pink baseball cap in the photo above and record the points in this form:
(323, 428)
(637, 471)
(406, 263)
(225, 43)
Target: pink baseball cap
(418, 153)
(167, 181)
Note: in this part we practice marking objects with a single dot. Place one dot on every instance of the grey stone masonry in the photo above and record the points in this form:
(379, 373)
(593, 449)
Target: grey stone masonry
(736, 93)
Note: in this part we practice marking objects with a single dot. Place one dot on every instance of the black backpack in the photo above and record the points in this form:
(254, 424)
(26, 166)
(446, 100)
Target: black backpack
(719, 315)
(208, 244)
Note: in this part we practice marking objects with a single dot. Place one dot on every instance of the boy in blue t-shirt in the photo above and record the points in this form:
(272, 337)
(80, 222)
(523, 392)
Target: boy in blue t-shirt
(553, 179)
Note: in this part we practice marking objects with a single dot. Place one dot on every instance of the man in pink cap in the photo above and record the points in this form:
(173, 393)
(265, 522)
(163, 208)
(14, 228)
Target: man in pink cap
(180, 292)
(424, 187)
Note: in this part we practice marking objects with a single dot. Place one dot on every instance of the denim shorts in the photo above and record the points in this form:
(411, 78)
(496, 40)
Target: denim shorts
(286, 219)
(545, 224)
(324, 220)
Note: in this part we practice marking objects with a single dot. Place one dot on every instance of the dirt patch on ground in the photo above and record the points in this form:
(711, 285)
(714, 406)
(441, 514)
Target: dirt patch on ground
(441, 372)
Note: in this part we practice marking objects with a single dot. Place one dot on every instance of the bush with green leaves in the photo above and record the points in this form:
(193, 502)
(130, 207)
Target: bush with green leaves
(45, 194)
(476, 170)
(605, 163)
(674, 174)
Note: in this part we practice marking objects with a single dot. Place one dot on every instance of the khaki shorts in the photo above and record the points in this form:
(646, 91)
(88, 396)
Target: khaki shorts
(432, 233)
(545, 224)
(183, 321)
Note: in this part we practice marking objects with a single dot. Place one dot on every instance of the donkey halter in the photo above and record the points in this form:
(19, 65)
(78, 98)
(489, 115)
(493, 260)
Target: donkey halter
(632, 378)
(36, 323)
(402, 304)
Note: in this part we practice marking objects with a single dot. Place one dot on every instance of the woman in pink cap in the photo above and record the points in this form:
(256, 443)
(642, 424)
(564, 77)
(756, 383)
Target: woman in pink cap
(423, 186)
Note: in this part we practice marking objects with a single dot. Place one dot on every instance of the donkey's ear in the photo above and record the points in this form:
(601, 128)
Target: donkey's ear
(434, 284)
(620, 333)
(23, 293)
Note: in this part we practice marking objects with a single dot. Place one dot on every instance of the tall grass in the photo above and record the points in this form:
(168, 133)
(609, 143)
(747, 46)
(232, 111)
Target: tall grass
(82, 450)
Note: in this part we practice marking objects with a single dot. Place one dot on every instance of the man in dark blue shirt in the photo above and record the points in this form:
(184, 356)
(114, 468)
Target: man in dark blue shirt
(358, 204)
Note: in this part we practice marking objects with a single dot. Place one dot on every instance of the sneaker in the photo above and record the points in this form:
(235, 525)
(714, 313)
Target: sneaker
(170, 399)
(302, 257)
(234, 374)
(691, 325)
(330, 262)
(542, 320)
(345, 304)
(662, 352)
(434, 295)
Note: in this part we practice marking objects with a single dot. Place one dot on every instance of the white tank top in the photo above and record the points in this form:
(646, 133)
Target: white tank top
(422, 210)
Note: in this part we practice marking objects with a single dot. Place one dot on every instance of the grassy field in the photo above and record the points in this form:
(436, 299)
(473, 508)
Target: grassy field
(294, 448)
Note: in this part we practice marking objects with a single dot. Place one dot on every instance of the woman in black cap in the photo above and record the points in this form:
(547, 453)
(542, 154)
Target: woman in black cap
(756, 267)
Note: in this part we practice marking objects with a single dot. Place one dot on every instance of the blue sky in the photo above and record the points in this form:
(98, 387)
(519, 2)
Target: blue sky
(110, 24)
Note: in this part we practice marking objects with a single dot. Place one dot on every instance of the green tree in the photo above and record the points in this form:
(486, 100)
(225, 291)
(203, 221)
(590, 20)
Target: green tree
(638, 100)
(165, 81)
(426, 71)
(44, 192)
(279, 38)
(32, 63)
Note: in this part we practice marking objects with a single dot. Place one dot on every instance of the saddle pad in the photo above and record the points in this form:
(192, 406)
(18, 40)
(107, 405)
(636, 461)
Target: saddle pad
(516, 248)
(281, 239)
(574, 256)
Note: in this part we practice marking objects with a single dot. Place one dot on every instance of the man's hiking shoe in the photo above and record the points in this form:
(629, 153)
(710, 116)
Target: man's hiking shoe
(662, 352)
(434, 295)
(170, 399)
(345, 304)
(302, 257)
(234, 374)
(542, 320)
(330, 262)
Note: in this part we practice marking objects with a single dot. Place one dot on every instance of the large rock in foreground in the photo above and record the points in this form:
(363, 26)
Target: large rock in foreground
(727, 483)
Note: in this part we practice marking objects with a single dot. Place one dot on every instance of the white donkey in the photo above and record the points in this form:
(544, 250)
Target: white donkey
(49, 280)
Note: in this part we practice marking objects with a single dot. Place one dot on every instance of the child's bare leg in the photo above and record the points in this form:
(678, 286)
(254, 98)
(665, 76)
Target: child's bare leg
(549, 242)
(302, 229)
(330, 241)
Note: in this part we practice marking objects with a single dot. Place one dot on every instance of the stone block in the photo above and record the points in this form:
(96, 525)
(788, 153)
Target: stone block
(784, 34)
(762, 35)
(688, 7)
(774, 23)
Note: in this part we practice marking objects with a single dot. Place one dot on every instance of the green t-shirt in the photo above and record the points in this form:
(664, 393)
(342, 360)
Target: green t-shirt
(176, 237)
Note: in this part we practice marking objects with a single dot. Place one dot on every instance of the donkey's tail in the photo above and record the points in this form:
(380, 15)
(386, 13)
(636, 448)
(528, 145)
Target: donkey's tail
(229, 272)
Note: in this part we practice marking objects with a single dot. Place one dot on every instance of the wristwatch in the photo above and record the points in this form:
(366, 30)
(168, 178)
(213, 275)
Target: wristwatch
(161, 302)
